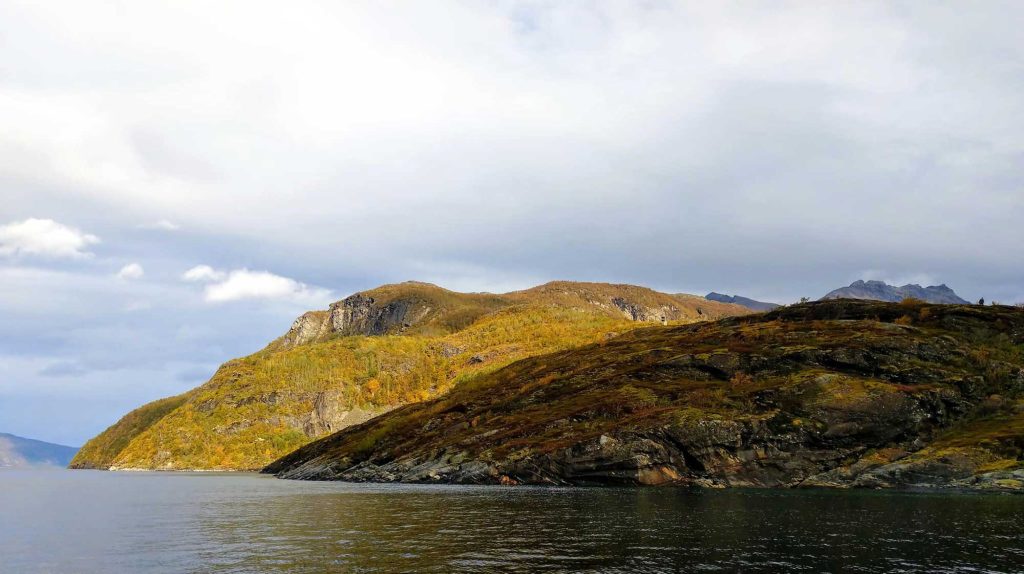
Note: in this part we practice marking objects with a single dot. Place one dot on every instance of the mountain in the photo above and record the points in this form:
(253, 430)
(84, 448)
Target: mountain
(16, 451)
(365, 355)
(880, 291)
(835, 393)
(746, 302)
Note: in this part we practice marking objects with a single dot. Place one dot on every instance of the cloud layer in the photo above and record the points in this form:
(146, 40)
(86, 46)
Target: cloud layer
(686, 145)
(774, 152)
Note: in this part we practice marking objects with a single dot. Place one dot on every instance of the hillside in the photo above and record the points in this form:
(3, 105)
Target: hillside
(16, 451)
(367, 354)
(834, 393)
(881, 291)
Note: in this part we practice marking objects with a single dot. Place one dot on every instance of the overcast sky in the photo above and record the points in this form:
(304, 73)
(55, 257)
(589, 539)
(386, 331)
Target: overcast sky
(179, 180)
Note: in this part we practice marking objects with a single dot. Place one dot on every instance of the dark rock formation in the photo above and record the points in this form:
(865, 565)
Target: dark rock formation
(362, 315)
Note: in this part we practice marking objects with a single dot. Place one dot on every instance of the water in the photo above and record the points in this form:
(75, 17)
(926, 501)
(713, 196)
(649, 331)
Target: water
(86, 521)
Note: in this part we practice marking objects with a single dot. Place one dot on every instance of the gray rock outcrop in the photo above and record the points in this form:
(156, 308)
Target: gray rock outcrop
(360, 314)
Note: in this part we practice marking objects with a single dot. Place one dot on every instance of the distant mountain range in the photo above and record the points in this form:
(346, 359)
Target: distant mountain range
(745, 301)
(16, 451)
(881, 291)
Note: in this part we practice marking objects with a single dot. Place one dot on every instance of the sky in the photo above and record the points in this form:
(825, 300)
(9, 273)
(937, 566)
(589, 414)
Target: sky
(180, 180)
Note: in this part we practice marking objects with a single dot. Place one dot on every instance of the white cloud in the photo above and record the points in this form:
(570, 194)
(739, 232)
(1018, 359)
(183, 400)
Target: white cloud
(45, 238)
(900, 279)
(245, 284)
(131, 271)
(162, 225)
(203, 273)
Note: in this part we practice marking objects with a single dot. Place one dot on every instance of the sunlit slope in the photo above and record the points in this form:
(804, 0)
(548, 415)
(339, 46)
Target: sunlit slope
(369, 353)
(101, 450)
(836, 393)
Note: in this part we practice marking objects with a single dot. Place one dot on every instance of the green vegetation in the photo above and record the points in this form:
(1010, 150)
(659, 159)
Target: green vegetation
(113, 440)
(318, 378)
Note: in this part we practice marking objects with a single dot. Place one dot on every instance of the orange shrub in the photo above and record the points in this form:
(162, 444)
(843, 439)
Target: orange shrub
(741, 381)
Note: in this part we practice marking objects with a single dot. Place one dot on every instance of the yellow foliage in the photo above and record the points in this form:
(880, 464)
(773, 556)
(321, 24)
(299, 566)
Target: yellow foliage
(251, 411)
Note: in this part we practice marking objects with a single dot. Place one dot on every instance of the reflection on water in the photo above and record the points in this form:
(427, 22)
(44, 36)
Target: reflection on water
(82, 521)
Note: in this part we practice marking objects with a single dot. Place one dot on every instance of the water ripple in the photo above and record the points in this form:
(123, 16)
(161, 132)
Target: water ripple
(154, 522)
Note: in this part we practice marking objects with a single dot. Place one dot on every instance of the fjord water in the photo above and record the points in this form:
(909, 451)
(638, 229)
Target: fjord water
(88, 521)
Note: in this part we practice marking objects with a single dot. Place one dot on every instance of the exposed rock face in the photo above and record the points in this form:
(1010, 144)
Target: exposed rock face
(413, 306)
(376, 312)
(636, 312)
(308, 328)
(823, 394)
(361, 315)
(745, 301)
(880, 291)
(331, 414)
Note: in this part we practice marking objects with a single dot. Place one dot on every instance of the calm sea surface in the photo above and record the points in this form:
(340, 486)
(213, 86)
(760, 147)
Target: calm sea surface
(87, 521)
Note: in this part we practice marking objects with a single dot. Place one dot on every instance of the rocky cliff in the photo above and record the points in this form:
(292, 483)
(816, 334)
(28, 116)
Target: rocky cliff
(836, 393)
(423, 308)
(880, 291)
(407, 308)
(365, 355)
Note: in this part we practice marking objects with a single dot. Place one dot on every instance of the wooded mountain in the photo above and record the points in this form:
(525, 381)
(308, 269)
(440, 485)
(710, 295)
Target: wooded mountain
(367, 354)
(832, 393)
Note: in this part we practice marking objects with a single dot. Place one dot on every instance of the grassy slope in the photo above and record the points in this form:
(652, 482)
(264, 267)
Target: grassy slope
(257, 408)
(98, 452)
(842, 375)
